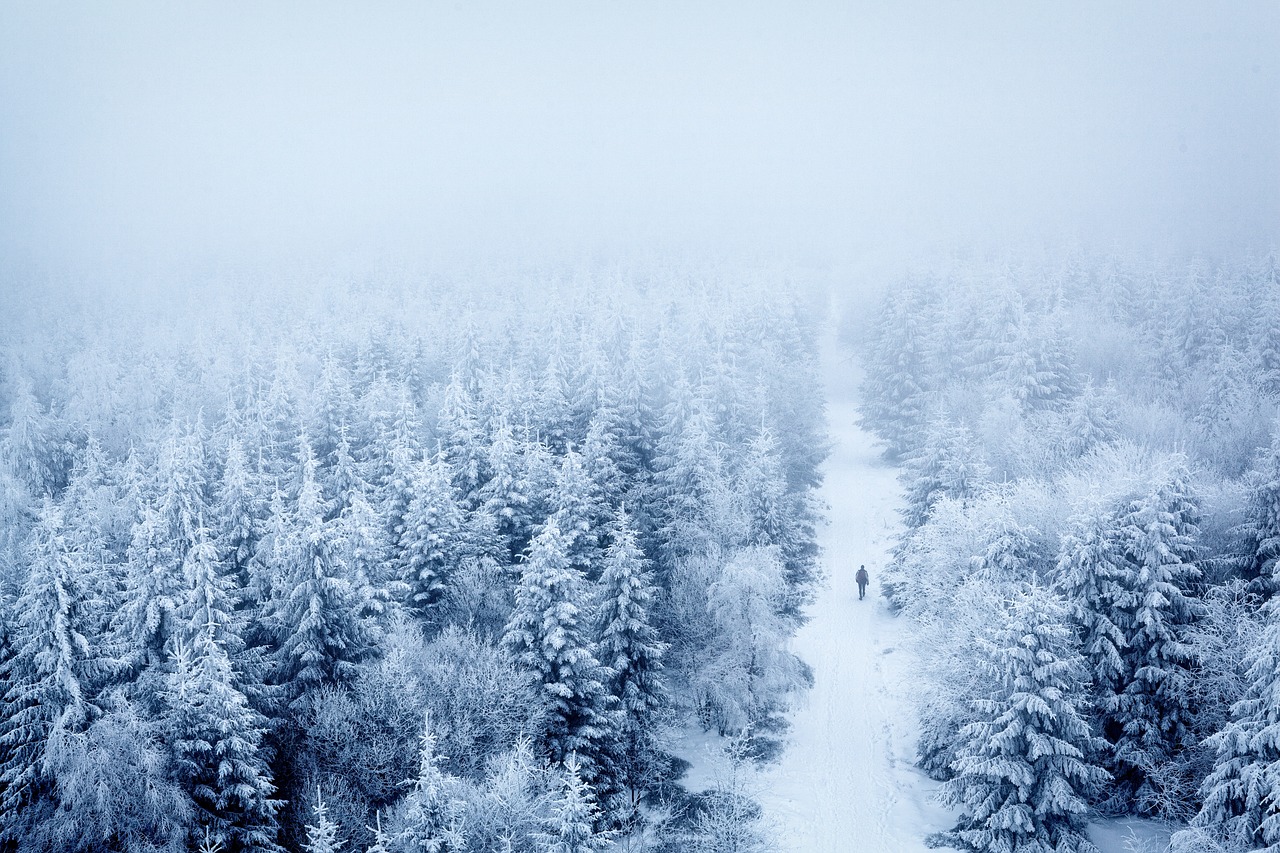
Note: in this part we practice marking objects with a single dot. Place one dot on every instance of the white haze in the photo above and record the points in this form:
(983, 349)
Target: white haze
(151, 137)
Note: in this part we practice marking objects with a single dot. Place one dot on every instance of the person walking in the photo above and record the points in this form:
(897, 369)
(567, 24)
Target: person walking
(862, 578)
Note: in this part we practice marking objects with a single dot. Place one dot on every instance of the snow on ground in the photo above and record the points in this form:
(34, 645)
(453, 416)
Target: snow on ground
(1130, 835)
(847, 779)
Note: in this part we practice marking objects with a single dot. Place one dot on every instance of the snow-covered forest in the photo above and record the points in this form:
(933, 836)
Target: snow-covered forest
(639, 427)
(1091, 467)
(392, 572)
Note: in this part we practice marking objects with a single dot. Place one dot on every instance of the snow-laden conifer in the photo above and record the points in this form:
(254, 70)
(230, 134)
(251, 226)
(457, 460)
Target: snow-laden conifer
(152, 591)
(432, 526)
(433, 817)
(322, 832)
(549, 634)
(216, 738)
(48, 677)
(320, 613)
(574, 814)
(1024, 770)
(947, 464)
(1241, 796)
(1262, 521)
(894, 392)
(1153, 709)
(631, 649)
(237, 512)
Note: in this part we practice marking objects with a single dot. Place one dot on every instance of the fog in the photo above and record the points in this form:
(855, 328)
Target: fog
(155, 136)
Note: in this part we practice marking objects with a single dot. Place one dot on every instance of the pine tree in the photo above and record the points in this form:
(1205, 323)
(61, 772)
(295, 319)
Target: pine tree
(689, 484)
(433, 816)
(153, 590)
(571, 824)
(1261, 527)
(1023, 772)
(1096, 580)
(48, 678)
(547, 633)
(1037, 368)
(631, 649)
(29, 446)
(216, 739)
(629, 642)
(180, 495)
(895, 394)
(322, 833)
(574, 513)
(207, 604)
(1091, 420)
(464, 440)
(946, 465)
(1241, 806)
(601, 458)
(236, 512)
(320, 618)
(432, 526)
(506, 496)
(1157, 537)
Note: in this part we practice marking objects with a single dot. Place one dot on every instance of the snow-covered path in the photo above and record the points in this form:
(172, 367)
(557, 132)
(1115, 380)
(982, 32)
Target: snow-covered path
(846, 781)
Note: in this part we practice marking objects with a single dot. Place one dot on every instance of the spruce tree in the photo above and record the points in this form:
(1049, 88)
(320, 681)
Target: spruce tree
(547, 633)
(946, 465)
(216, 738)
(1127, 569)
(1096, 579)
(630, 648)
(153, 590)
(49, 675)
(319, 614)
(432, 527)
(322, 832)
(1261, 527)
(1024, 771)
(1157, 537)
(237, 518)
(575, 514)
(895, 392)
(433, 817)
(574, 815)
(1241, 796)
(506, 496)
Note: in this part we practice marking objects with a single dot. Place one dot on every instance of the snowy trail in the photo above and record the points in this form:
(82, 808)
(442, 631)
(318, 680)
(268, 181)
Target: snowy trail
(846, 781)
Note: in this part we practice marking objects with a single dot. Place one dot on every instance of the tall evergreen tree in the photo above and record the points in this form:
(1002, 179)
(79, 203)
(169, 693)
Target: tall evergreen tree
(1241, 796)
(1153, 710)
(1262, 522)
(548, 634)
(216, 738)
(49, 676)
(631, 649)
(895, 391)
(1024, 771)
(321, 621)
(237, 512)
(948, 464)
(432, 527)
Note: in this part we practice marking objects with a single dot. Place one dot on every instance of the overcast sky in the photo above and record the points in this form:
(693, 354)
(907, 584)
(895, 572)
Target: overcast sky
(190, 133)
